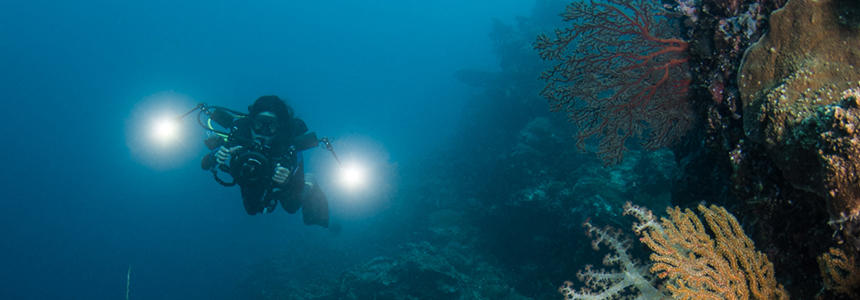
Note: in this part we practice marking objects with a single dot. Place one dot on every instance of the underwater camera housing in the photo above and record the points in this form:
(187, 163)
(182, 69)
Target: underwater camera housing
(250, 166)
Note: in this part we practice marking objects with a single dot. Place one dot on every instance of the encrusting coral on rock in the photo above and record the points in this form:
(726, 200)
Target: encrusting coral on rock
(792, 84)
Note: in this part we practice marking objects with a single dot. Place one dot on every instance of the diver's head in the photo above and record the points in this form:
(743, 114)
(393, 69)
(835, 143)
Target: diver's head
(266, 124)
(271, 116)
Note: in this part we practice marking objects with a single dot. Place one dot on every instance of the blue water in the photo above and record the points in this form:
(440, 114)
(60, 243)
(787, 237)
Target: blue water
(85, 193)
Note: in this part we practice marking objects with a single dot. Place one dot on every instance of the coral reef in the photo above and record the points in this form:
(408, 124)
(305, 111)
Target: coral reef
(719, 164)
(717, 40)
(496, 213)
(791, 84)
(691, 261)
(622, 73)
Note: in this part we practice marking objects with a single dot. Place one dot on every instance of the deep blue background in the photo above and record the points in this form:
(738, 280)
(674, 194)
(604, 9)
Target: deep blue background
(85, 195)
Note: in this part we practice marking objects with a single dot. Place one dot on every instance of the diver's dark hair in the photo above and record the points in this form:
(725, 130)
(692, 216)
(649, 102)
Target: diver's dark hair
(273, 104)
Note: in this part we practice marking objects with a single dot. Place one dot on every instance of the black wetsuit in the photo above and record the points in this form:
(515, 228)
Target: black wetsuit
(262, 195)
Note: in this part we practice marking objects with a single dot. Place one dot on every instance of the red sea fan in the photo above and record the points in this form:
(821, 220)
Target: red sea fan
(622, 73)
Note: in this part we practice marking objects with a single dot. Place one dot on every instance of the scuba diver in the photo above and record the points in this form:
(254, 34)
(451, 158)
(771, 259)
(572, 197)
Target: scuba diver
(262, 153)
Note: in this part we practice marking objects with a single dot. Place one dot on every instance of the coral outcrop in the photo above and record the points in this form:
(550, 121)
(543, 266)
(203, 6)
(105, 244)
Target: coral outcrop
(791, 84)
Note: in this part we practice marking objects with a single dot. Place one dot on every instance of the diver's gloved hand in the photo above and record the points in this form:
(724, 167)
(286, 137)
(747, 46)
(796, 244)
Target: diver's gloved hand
(223, 154)
(281, 174)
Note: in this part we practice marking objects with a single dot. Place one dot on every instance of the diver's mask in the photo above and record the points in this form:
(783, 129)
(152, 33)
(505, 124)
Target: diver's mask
(266, 125)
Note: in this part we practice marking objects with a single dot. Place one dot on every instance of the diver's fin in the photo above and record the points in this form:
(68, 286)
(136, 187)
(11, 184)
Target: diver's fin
(314, 206)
